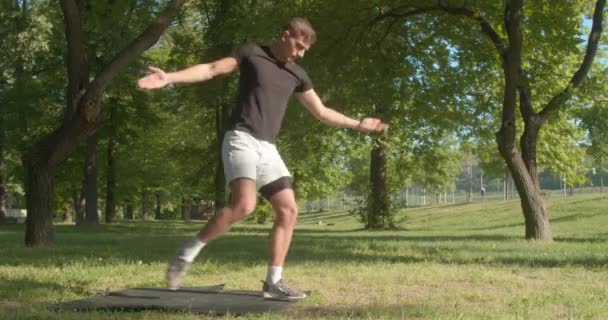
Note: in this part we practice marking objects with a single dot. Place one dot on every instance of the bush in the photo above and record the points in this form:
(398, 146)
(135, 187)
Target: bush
(378, 214)
(262, 212)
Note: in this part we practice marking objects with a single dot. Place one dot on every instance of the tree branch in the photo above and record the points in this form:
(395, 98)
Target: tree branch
(592, 44)
(207, 12)
(412, 10)
(140, 44)
(512, 66)
(77, 70)
(386, 32)
(525, 101)
(394, 14)
(513, 17)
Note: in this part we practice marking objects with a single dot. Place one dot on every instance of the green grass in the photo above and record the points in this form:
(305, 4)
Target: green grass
(451, 262)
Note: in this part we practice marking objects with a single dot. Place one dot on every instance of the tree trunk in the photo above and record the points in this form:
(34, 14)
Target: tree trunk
(157, 214)
(506, 185)
(378, 214)
(185, 209)
(67, 215)
(601, 176)
(532, 203)
(195, 209)
(129, 211)
(91, 215)
(221, 46)
(424, 196)
(40, 164)
(2, 187)
(40, 205)
(470, 196)
(144, 204)
(111, 173)
(528, 186)
(221, 115)
(528, 145)
(9, 200)
(78, 204)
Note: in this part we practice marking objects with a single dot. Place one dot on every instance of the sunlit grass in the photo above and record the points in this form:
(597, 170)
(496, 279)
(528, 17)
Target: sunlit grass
(450, 262)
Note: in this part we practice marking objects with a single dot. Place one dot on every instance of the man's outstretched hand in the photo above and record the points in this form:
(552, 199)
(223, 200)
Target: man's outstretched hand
(372, 125)
(156, 79)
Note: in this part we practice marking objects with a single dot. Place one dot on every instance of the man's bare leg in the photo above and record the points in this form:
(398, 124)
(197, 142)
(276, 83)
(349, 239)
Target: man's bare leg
(243, 203)
(286, 210)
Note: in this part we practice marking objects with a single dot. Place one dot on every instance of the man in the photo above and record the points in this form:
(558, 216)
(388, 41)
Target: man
(268, 77)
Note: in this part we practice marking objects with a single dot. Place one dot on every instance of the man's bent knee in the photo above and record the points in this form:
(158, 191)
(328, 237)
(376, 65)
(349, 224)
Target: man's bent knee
(287, 215)
(242, 209)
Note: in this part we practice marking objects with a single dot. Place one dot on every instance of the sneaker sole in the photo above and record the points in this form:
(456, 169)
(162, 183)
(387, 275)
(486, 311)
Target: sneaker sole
(270, 296)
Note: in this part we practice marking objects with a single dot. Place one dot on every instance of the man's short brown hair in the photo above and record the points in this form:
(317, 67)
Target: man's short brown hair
(301, 27)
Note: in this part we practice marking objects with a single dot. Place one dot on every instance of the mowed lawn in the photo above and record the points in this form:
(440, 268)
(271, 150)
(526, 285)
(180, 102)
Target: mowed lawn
(448, 262)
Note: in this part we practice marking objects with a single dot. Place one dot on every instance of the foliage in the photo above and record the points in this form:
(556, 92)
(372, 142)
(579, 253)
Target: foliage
(593, 115)
(263, 211)
(560, 153)
(30, 78)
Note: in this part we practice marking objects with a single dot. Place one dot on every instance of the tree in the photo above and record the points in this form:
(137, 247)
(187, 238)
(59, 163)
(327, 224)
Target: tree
(518, 81)
(219, 21)
(107, 31)
(110, 209)
(81, 111)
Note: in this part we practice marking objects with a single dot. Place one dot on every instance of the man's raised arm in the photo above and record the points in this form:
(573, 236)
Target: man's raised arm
(196, 73)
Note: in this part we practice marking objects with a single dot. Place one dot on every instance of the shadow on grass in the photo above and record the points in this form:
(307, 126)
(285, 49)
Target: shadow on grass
(599, 239)
(496, 227)
(405, 310)
(565, 218)
(576, 217)
(245, 246)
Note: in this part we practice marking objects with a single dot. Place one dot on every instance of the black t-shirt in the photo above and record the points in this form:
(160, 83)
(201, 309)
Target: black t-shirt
(265, 87)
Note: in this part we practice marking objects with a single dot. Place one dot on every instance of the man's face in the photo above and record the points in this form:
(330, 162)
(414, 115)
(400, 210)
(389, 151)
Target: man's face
(294, 46)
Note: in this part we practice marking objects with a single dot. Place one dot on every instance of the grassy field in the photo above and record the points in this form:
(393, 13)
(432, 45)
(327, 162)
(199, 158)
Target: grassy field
(452, 262)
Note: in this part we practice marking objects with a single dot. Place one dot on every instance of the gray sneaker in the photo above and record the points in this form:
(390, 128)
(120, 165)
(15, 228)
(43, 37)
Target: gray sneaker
(281, 291)
(176, 271)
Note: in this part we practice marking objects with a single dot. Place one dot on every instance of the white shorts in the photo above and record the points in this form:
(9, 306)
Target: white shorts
(247, 157)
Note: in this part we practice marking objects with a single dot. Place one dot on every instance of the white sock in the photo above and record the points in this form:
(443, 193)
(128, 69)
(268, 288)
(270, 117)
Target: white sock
(190, 249)
(274, 274)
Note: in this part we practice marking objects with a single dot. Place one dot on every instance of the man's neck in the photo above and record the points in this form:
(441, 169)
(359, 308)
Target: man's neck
(276, 52)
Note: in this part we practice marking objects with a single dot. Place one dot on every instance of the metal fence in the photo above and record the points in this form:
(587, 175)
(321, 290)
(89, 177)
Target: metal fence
(416, 197)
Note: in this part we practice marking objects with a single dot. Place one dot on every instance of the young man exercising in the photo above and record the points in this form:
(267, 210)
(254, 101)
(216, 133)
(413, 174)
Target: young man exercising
(268, 77)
